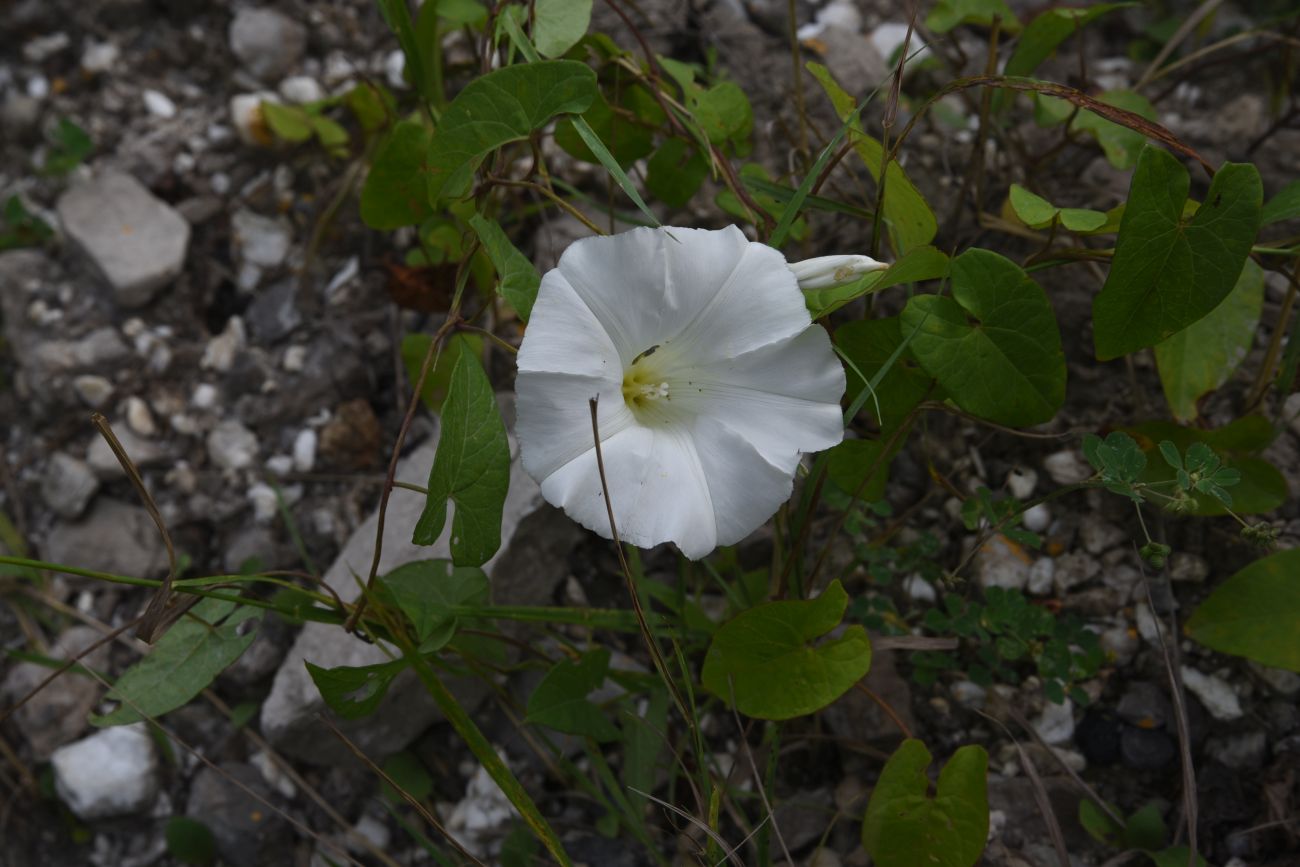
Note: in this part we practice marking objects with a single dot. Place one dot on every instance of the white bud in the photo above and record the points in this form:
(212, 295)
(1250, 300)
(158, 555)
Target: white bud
(824, 271)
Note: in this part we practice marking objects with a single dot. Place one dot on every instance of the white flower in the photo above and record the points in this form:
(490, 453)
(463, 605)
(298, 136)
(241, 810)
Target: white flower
(825, 271)
(711, 381)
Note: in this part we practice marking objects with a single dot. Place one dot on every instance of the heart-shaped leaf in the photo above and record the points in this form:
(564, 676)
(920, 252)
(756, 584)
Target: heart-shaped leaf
(425, 590)
(764, 657)
(560, 700)
(1168, 271)
(1254, 613)
(905, 827)
(994, 345)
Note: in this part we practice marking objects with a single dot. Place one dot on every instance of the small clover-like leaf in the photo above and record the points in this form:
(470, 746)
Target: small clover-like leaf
(1171, 454)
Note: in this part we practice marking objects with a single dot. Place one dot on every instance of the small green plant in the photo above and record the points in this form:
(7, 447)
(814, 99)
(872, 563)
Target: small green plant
(21, 228)
(1007, 637)
(68, 148)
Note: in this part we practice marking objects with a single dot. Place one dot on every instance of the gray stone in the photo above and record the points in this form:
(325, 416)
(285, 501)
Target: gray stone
(1099, 536)
(263, 241)
(136, 240)
(1000, 563)
(94, 390)
(274, 315)
(57, 714)
(231, 446)
(141, 452)
(113, 537)
(855, 716)
(803, 816)
(1188, 567)
(68, 485)
(267, 42)
(114, 772)
(1214, 692)
(1067, 467)
(232, 800)
(1073, 569)
(1146, 706)
(1055, 725)
(852, 59)
(100, 349)
(1244, 752)
(533, 559)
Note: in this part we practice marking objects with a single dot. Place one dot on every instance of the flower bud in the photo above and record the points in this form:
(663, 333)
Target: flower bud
(825, 271)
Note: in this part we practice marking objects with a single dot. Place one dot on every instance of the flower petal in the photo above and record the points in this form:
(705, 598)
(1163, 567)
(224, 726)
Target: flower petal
(646, 285)
(564, 337)
(759, 304)
(656, 484)
(553, 417)
(745, 488)
(783, 398)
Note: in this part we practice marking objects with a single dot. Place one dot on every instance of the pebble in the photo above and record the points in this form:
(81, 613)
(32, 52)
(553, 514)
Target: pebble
(1099, 536)
(836, 15)
(1055, 725)
(220, 353)
(231, 446)
(1147, 749)
(1040, 576)
(969, 693)
(1120, 643)
(266, 41)
(1146, 623)
(272, 774)
(106, 465)
(1184, 566)
(135, 239)
(370, 829)
(919, 589)
(57, 713)
(1037, 518)
(158, 104)
(68, 485)
(246, 115)
(301, 89)
(93, 390)
(38, 87)
(1073, 569)
(395, 69)
(295, 358)
(274, 315)
(1214, 692)
(304, 458)
(114, 772)
(1021, 482)
(1002, 563)
(139, 418)
(888, 38)
(264, 501)
(263, 241)
(230, 800)
(1243, 752)
(1067, 467)
(205, 396)
(1280, 680)
(37, 48)
(1145, 705)
(99, 57)
(280, 465)
(99, 349)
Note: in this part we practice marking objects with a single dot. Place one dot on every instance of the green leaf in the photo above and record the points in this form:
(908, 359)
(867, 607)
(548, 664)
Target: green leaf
(628, 141)
(69, 147)
(1261, 489)
(1145, 829)
(1284, 206)
(1254, 613)
(870, 344)
(1037, 212)
(190, 841)
(289, 122)
(395, 191)
(424, 591)
(1169, 272)
(211, 636)
(503, 106)
(1042, 35)
(1202, 356)
(1176, 856)
(471, 468)
(905, 827)
(763, 655)
(462, 12)
(675, 172)
(354, 692)
(397, 14)
(1102, 828)
(948, 14)
(994, 346)
(409, 774)
(920, 263)
(723, 112)
(438, 382)
(519, 279)
(371, 104)
(1121, 145)
(909, 218)
(849, 462)
(559, 24)
(560, 700)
